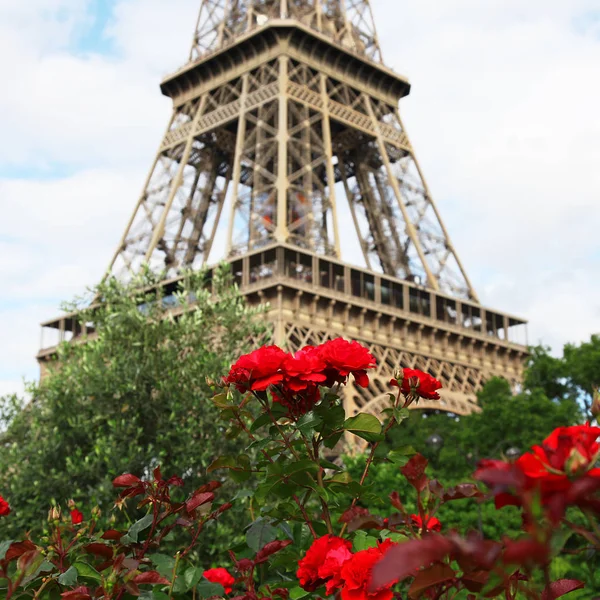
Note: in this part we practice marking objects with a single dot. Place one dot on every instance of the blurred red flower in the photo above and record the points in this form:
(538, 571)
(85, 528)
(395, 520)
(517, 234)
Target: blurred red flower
(221, 576)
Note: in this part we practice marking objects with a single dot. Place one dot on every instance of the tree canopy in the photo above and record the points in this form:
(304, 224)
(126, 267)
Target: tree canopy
(132, 396)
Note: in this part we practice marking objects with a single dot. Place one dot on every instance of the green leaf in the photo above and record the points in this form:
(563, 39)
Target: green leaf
(332, 440)
(158, 595)
(206, 589)
(308, 423)
(401, 414)
(302, 466)
(263, 420)
(4, 546)
(364, 426)
(297, 592)
(87, 571)
(559, 540)
(192, 576)
(222, 400)
(401, 456)
(329, 465)
(137, 528)
(333, 416)
(163, 563)
(241, 463)
(69, 577)
(260, 533)
(340, 478)
(223, 462)
(363, 541)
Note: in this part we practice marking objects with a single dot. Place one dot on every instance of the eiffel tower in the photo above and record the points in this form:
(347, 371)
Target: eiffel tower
(284, 113)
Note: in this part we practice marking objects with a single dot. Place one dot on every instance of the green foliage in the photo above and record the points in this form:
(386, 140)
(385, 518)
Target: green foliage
(583, 367)
(132, 396)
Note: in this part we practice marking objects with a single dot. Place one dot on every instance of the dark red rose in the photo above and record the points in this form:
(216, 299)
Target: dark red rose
(297, 403)
(344, 358)
(221, 576)
(258, 370)
(357, 575)
(323, 562)
(433, 524)
(417, 384)
(76, 517)
(4, 507)
(304, 368)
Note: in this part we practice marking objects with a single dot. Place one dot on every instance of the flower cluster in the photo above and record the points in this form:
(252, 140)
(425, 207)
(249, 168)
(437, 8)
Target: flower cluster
(295, 378)
(562, 471)
(330, 562)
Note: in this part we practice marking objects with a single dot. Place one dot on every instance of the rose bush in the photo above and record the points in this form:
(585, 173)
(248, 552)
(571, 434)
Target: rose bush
(313, 531)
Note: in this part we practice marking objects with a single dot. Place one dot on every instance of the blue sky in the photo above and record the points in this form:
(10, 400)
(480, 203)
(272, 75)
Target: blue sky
(503, 116)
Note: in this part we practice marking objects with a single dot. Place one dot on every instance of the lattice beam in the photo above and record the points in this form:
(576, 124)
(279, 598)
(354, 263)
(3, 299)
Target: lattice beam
(348, 23)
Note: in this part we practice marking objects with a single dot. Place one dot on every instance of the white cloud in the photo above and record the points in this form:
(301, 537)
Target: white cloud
(503, 114)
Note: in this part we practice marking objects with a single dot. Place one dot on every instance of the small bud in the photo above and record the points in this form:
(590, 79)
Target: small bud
(96, 512)
(54, 514)
(71, 504)
(596, 402)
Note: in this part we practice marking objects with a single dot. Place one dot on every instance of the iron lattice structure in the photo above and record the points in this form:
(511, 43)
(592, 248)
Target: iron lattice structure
(284, 112)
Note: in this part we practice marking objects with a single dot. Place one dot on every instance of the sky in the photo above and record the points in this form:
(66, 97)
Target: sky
(503, 116)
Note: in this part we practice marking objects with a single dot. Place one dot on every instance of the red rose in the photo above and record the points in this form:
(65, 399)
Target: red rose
(258, 370)
(331, 569)
(433, 524)
(566, 455)
(356, 575)
(222, 576)
(323, 562)
(304, 368)
(343, 357)
(76, 517)
(4, 507)
(418, 384)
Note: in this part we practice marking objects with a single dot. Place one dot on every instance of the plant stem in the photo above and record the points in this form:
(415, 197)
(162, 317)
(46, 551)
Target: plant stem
(174, 574)
(295, 498)
(368, 466)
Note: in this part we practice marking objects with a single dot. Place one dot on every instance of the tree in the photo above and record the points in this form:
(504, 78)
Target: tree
(582, 365)
(132, 396)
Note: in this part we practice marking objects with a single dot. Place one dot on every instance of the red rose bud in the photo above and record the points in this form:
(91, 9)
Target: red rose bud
(76, 517)
(4, 507)
(221, 576)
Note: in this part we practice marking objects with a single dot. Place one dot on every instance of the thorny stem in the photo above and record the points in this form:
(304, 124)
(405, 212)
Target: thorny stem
(266, 455)
(281, 433)
(174, 575)
(368, 466)
(326, 514)
(305, 515)
(39, 592)
(590, 537)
